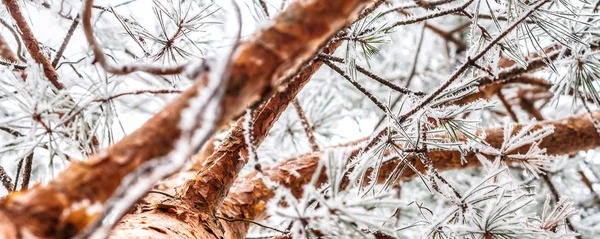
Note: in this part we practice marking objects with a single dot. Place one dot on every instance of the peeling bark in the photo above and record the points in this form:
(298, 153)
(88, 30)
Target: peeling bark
(206, 190)
(218, 168)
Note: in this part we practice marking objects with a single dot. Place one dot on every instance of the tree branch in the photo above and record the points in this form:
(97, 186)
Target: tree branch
(249, 194)
(32, 44)
(66, 205)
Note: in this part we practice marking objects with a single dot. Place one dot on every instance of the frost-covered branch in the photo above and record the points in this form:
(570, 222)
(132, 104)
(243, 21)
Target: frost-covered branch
(100, 58)
(571, 135)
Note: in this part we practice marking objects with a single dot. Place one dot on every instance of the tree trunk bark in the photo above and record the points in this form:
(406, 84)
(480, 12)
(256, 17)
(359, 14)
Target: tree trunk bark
(70, 202)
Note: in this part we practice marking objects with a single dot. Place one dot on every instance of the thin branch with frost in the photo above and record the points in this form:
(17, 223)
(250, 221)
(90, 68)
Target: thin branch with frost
(100, 58)
(471, 60)
(65, 42)
(139, 92)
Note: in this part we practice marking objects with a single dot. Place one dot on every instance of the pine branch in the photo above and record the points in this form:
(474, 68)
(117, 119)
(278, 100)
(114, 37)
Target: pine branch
(210, 185)
(255, 68)
(572, 134)
(100, 58)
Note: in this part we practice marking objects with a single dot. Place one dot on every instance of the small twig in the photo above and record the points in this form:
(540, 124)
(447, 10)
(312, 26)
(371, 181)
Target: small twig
(19, 166)
(368, 10)
(27, 171)
(162, 193)
(427, 17)
(100, 58)
(306, 125)
(529, 106)
(250, 221)
(6, 180)
(590, 185)
(139, 92)
(508, 107)
(460, 45)
(373, 76)
(356, 85)
(65, 42)
(263, 5)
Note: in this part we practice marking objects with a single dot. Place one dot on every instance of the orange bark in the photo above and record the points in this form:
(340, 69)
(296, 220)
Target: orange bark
(218, 168)
(66, 205)
(207, 190)
(249, 195)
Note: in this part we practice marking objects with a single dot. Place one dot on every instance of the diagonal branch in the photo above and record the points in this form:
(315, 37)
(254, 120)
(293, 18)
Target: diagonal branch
(69, 202)
(32, 44)
(217, 168)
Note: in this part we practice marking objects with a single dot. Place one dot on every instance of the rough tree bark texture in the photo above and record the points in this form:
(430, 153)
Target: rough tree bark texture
(249, 194)
(227, 159)
(208, 189)
(68, 203)
(212, 176)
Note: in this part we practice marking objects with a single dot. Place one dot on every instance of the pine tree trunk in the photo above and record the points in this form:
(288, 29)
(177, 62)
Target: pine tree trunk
(71, 201)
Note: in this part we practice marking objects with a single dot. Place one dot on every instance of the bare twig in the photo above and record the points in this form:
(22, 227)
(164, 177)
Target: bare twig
(373, 76)
(66, 40)
(100, 58)
(139, 92)
(27, 171)
(430, 16)
(508, 107)
(19, 167)
(306, 125)
(250, 221)
(6, 180)
(356, 85)
(263, 5)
